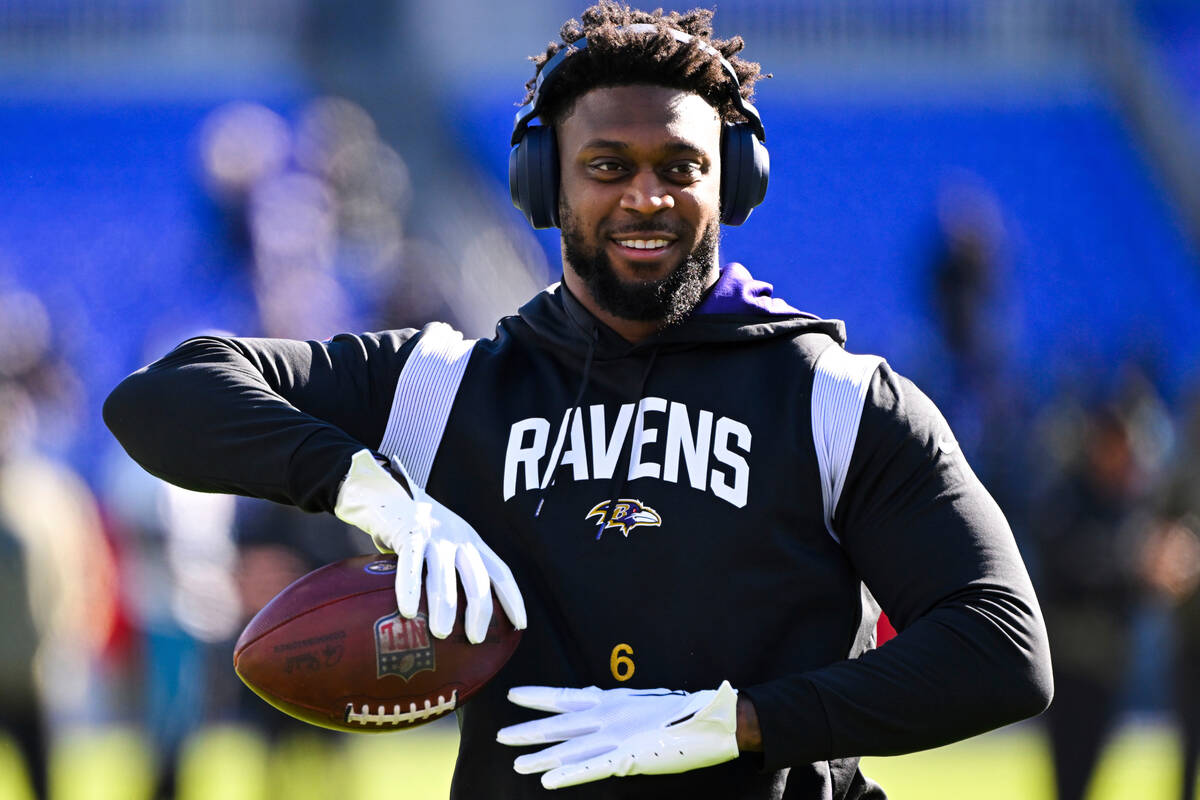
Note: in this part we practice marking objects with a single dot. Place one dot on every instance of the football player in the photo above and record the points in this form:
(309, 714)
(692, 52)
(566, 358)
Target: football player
(703, 498)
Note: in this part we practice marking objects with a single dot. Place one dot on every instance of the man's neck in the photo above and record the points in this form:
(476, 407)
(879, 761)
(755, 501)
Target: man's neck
(631, 330)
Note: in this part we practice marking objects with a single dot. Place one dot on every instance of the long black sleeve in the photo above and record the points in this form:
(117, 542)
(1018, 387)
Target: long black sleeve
(936, 552)
(270, 418)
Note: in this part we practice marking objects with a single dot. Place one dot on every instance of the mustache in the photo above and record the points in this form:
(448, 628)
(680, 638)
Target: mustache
(651, 226)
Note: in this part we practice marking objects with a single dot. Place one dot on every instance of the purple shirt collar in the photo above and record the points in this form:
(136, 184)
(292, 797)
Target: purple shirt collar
(737, 292)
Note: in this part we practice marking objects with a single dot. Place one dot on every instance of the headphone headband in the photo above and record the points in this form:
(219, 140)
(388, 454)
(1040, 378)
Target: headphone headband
(534, 107)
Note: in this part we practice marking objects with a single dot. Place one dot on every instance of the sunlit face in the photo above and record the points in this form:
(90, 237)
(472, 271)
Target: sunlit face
(640, 199)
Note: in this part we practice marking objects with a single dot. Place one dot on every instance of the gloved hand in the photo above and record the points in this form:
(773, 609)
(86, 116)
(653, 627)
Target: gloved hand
(616, 732)
(421, 531)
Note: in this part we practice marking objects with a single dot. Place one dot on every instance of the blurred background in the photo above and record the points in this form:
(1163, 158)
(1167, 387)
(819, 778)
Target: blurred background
(1002, 198)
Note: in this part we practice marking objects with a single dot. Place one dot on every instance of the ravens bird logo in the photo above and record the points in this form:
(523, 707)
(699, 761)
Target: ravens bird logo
(627, 515)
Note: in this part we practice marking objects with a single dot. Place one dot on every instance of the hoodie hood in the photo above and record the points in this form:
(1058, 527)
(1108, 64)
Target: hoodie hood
(737, 292)
(737, 307)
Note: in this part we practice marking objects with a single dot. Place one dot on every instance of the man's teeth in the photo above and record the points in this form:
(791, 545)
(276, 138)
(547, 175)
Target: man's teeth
(644, 244)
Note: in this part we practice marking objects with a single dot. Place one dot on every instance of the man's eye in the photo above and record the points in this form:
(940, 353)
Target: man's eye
(688, 169)
(607, 166)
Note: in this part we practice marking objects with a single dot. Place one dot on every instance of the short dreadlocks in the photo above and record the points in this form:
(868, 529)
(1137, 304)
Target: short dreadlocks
(615, 57)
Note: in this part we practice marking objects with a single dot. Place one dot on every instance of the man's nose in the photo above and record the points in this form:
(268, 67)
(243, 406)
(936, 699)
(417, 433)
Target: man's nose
(647, 193)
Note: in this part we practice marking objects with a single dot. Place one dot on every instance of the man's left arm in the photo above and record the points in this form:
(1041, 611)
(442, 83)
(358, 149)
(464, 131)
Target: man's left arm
(936, 552)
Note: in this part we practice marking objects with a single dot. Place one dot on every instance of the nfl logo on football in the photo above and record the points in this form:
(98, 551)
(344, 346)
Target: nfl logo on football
(402, 645)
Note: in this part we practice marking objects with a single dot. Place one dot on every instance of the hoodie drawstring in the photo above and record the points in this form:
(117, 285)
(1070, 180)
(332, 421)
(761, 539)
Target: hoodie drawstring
(587, 372)
(617, 484)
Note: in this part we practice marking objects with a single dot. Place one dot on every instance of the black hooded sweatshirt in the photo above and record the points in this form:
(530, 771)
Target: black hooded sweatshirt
(773, 492)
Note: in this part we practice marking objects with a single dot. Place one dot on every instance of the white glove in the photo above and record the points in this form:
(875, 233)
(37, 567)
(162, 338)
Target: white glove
(421, 531)
(615, 732)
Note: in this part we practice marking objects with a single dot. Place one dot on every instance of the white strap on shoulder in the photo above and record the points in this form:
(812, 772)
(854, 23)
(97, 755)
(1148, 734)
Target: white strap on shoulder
(839, 390)
(425, 394)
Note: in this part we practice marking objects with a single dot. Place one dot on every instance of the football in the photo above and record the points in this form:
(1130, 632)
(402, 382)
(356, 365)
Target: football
(332, 650)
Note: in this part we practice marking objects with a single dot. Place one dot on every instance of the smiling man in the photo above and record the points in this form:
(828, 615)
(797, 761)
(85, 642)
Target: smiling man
(641, 204)
(703, 498)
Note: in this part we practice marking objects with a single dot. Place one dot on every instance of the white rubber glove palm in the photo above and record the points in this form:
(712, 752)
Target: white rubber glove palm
(615, 732)
(423, 532)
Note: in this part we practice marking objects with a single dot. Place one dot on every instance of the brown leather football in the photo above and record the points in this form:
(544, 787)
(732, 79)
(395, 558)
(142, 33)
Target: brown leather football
(332, 650)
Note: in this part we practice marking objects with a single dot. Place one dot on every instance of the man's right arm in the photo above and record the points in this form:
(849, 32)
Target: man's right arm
(271, 418)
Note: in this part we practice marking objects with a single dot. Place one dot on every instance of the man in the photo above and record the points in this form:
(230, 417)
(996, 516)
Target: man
(1173, 570)
(691, 482)
(1092, 529)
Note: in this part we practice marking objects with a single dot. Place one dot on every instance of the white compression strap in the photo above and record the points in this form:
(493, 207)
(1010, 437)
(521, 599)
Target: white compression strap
(425, 393)
(839, 391)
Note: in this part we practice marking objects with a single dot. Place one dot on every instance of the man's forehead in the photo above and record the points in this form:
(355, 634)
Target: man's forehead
(615, 113)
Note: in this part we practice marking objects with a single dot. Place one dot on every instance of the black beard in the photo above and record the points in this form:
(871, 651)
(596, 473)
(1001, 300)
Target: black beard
(668, 299)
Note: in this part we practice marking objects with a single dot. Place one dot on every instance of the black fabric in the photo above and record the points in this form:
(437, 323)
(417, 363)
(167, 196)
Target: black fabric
(739, 580)
(276, 419)
(1079, 722)
(936, 552)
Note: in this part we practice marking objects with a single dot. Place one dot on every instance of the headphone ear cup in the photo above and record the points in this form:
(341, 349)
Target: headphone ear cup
(533, 176)
(745, 168)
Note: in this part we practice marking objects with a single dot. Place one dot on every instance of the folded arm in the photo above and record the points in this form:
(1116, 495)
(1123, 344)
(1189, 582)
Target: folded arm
(936, 552)
(270, 418)
(298, 423)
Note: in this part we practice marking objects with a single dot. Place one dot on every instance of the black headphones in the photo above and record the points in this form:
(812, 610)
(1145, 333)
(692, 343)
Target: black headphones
(533, 161)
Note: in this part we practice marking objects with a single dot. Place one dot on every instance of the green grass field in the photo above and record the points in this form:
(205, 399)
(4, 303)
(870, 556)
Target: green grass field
(233, 764)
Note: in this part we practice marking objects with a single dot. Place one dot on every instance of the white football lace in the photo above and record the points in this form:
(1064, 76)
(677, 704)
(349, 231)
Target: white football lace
(398, 717)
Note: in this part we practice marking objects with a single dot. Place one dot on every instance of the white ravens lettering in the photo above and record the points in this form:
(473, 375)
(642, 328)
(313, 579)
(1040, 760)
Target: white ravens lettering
(669, 441)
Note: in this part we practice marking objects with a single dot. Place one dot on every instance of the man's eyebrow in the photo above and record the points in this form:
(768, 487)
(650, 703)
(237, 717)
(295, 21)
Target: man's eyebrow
(605, 144)
(677, 146)
(682, 146)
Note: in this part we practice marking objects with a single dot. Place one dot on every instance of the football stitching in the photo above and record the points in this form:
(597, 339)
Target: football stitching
(398, 717)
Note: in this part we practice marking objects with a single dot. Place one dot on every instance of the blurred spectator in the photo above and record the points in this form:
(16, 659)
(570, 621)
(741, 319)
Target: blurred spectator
(30, 360)
(179, 592)
(240, 144)
(1173, 568)
(971, 236)
(58, 581)
(1091, 529)
(971, 374)
(20, 711)
(61, 561)
(319, 207)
